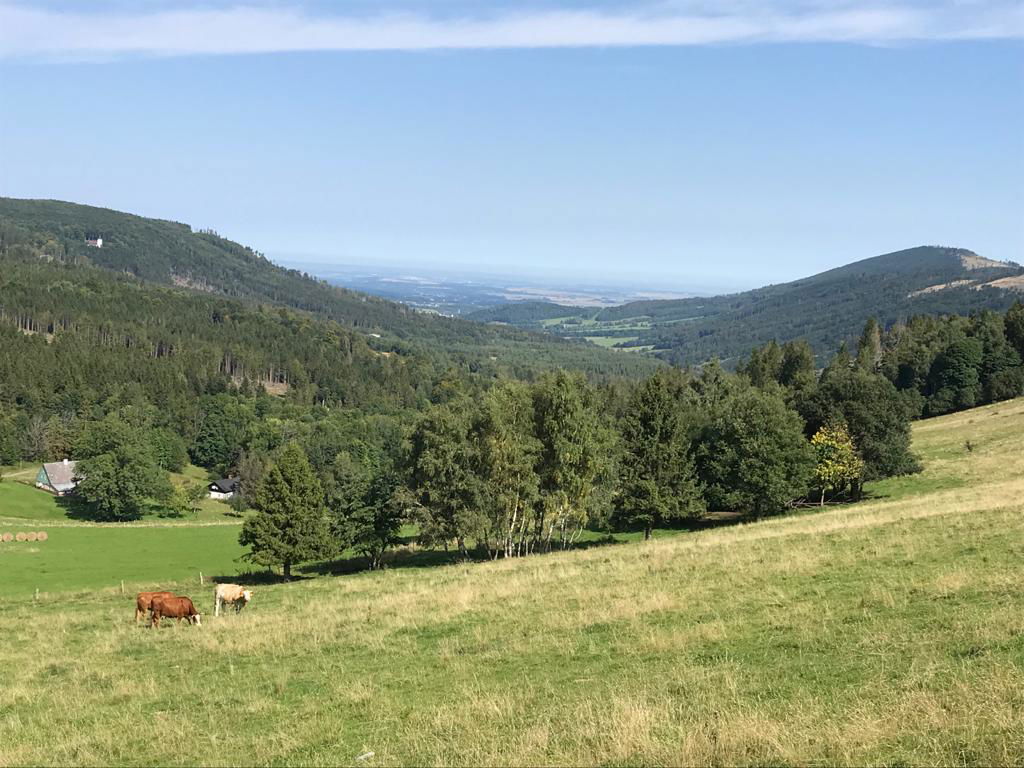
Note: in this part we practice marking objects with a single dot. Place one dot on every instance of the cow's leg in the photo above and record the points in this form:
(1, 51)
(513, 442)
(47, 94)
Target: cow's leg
(217, 601)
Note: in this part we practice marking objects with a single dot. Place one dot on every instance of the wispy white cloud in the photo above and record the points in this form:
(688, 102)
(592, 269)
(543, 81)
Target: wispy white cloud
(33, 32)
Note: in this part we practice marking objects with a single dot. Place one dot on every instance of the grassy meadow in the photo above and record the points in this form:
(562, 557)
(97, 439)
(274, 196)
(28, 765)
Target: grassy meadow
(889, 632)
(80, 555)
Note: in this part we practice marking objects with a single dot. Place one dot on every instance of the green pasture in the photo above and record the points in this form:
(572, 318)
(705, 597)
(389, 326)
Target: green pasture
(19, 498)
(93, 557)
(609, 341)
(153, 551)
(79, 555)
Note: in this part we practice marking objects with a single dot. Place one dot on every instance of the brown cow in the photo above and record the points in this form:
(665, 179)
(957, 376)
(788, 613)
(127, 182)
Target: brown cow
(175, 608)
(144, 601)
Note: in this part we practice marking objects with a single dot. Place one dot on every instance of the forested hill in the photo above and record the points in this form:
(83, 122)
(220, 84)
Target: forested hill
(171, 253)
(825, 309)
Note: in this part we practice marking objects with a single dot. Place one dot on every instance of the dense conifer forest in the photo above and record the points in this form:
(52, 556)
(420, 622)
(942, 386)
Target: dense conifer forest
(172, 254)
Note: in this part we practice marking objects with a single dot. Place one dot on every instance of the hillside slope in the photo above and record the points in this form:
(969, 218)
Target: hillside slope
(888, 632)
(170, 253)
(824, 309)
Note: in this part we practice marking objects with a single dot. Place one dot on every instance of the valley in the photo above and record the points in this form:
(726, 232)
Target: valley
(825, 309)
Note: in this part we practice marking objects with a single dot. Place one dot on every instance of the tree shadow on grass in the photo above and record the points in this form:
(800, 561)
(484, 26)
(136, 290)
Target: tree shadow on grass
(687, 525)
(260, 578)
(75, 508)
(409, 555)
(405, 557)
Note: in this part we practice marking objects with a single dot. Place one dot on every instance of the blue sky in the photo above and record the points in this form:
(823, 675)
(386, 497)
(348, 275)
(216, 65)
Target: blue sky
(694, 144)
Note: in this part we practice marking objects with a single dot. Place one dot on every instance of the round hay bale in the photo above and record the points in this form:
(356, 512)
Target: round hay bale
(42, 536)
(30, 536)
(8, 536)
(19, 536)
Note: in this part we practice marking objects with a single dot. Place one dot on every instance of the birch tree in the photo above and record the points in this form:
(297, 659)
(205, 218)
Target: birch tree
(570, 436)
(506, 462)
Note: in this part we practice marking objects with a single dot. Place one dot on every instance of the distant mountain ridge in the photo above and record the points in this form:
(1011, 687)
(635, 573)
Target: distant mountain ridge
(825, 309)
(173, 254)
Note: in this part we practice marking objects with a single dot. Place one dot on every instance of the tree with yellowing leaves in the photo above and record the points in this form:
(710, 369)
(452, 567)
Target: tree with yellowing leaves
(838, 463)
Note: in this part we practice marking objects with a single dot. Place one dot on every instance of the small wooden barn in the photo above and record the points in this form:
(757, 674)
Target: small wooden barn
(57, 477)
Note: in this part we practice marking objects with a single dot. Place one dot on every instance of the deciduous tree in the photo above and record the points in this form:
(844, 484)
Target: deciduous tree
(443, 478)
(506, 461)
(571, 454)
(116, 484)
(837, 463)
(874, 412)
(753, 456)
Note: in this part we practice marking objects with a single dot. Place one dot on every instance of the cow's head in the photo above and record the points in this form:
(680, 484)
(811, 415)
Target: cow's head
(247, 595)
(196, 620)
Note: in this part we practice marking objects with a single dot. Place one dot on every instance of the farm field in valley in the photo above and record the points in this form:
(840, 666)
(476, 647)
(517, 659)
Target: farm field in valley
(887, 632)
(19, 498)
(80, 555)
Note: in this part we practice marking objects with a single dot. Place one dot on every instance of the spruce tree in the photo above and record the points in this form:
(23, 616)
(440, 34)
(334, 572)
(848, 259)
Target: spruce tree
(657, 481)
(367, 503)
(869, 349)
(1000, 370)
(290, 525)
(764, 365)
(954, 380)
(1014, 325)
(797, 371)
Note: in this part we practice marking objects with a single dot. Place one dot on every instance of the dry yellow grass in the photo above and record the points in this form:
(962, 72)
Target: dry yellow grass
(891, 632)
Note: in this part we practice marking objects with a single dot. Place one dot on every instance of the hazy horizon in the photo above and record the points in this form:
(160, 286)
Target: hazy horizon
(509, 272)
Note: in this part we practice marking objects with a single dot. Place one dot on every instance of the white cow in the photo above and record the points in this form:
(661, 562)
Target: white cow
(231, 593)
